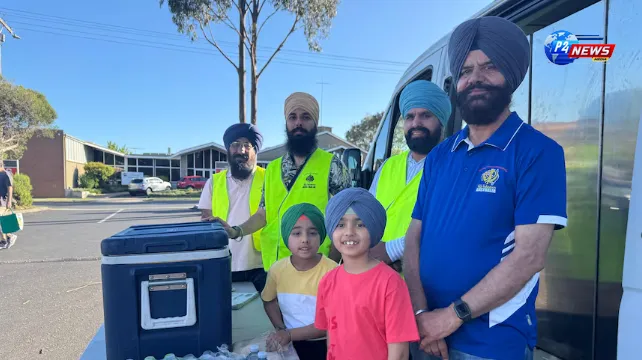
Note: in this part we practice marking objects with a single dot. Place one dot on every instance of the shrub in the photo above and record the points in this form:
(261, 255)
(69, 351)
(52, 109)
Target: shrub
(22, 189)
(99, 172)
(86, 181)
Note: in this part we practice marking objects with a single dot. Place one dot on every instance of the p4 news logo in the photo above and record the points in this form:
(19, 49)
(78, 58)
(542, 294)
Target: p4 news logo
(563, 47)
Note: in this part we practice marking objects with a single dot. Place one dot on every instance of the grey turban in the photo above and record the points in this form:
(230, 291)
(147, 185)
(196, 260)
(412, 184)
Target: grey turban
(366, 206)
(502, 41)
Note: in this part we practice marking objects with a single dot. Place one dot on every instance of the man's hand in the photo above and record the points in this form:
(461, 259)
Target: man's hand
(276, 340)
(437, 325)
(230, 232)
(379, 252)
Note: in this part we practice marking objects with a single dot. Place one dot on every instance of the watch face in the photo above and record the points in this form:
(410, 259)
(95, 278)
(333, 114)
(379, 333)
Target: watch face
(462, 310)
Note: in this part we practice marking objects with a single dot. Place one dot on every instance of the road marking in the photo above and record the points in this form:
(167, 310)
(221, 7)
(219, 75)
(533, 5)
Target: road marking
(110, 216)
(54, 260)
(128, 209)
(84, 286)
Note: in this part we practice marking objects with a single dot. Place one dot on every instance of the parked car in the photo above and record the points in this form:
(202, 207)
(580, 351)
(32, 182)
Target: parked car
(192, 182)
(147, 186)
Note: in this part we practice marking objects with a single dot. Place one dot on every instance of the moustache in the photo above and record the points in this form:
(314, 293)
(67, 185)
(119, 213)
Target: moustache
(239, 158)
(489, 88)
(299, 131)
(420, 129)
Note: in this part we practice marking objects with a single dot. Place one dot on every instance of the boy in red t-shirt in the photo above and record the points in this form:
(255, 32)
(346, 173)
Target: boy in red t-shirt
(363, 304)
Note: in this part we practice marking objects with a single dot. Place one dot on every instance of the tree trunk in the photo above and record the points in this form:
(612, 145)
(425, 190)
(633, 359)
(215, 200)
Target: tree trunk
(241, 68)
(253, 54)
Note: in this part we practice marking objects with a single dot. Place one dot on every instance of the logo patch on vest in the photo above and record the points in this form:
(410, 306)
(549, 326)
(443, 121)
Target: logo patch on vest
(309, 182)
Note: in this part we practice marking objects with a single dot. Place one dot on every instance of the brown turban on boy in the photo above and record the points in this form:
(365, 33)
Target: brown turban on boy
(303, 101)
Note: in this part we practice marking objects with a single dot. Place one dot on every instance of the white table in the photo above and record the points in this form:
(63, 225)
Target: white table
(248, 322)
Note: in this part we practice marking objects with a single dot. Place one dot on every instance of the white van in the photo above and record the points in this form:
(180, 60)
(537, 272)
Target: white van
(590, 294)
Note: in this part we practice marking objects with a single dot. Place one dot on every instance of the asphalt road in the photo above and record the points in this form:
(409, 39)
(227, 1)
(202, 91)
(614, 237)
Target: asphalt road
(50, 285)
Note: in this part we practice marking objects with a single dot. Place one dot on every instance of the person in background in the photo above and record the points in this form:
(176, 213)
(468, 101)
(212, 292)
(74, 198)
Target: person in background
(233, 195)
(290, 294)
(305, 173)
(425, 109)
(489, 201)
(363, 304)
(6, 198)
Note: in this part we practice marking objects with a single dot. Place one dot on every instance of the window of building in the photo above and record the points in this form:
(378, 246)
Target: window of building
(190, 172)
(163, 173)
(99, 156)
(198, 159)
(145, 162)
(109, 159)
(175, 174)
(120, 161)
(131, 161)
(208, 157)
(162, 162)
(176, 163)
(190, 160)
(147, 171)
(131, 168)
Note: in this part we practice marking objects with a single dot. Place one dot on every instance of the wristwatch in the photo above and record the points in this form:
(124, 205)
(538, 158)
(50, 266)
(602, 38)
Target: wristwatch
(462, 310)
(239, 232)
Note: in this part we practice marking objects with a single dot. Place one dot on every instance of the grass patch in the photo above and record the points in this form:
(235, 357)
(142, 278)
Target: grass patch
(177, 193)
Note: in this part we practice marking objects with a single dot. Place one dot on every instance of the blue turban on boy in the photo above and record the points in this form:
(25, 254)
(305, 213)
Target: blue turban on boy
(366, 206)
(426, 95)
(248, 131)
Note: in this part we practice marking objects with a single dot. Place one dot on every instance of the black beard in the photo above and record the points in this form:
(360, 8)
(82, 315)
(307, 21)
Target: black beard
(301, 142)
(493, 104)
(240, 166)
(422, 145)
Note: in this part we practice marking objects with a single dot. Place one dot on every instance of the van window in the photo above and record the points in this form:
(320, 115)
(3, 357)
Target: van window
(137, 181)
(381, 143)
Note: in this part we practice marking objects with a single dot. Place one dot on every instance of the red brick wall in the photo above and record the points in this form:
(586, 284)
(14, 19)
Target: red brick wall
(44, 161)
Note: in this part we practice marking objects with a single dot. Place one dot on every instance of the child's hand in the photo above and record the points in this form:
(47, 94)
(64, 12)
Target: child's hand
(277, 339)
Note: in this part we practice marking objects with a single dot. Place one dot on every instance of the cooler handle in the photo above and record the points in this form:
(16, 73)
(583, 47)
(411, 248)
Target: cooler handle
(166, 246)
(149, 323)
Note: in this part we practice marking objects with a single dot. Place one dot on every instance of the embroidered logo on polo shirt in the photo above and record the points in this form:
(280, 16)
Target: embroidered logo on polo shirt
(488, 179)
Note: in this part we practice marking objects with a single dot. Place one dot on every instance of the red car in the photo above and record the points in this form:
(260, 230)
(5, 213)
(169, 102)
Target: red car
(191, 182)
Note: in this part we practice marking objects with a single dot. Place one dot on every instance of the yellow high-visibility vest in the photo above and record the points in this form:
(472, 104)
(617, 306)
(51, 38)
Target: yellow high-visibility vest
(397, 197)
(310, 186)
(221, 200)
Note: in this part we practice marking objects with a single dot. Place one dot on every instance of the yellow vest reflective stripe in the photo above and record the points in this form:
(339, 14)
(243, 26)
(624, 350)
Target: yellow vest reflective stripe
(397, 197)
(221, 200)
(311, 186)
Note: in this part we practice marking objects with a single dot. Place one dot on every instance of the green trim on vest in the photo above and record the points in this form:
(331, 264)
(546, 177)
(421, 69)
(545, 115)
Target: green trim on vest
(221, 200)
(311, 186)
(397, 197)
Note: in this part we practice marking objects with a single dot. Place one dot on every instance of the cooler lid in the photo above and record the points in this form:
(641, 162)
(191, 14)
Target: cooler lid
(163, 238)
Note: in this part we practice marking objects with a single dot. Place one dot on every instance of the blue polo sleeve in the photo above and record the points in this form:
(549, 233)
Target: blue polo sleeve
(541, 187)
(423, 193)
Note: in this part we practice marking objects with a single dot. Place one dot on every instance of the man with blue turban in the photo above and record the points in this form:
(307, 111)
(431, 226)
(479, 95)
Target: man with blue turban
(425, 109)
(489, 200)
(234, 194)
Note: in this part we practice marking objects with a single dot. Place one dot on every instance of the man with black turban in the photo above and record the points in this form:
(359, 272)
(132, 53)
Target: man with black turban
(233, 195)
(305, 173)
(489, 200)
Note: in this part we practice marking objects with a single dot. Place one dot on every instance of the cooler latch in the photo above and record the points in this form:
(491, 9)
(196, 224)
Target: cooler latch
(161, 283)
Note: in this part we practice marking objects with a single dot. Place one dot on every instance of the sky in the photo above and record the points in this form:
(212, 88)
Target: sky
(119, 70)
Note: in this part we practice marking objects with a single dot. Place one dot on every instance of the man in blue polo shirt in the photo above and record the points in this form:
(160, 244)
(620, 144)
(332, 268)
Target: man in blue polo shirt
(489, 200)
